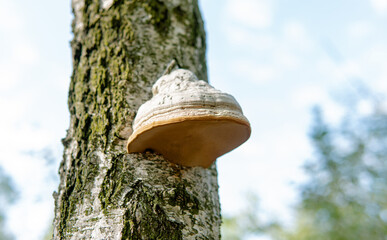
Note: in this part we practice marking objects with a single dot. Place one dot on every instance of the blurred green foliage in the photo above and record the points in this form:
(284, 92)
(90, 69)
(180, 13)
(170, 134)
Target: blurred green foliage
(345, 196)
(8, 195)
(246, 222)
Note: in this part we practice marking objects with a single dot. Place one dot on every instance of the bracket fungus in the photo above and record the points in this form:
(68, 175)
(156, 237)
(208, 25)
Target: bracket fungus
(188, 121)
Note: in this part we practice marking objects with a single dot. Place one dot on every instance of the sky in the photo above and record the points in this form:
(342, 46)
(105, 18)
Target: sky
(278, 58)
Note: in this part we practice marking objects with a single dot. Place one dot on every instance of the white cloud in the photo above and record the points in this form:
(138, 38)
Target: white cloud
(374, 64)
(347, 70)
(270, 56)
(242, 37)
(312, 95)
(380, 6)
(256, 73)
(288, 60)
(308, 96)
(364, 107)
(12, 65)
(250, 13)
(296, 35)
(360, 30)
(18, 51)
(9, 76)
(381, 83)
(367, 65)
(24, 53)
(334, 74)
(10, 19)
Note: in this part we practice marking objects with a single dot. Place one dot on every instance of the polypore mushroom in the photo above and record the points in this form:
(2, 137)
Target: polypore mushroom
(188, 121)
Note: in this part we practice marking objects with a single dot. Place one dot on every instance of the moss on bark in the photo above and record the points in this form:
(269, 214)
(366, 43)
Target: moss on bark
(145, 217)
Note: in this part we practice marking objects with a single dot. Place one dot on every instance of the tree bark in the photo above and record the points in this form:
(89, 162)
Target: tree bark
(120, 48)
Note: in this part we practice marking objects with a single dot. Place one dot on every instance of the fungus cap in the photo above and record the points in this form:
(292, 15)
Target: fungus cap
(188, 121)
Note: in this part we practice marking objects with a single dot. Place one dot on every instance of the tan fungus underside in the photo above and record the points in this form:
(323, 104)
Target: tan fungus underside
(191, 142)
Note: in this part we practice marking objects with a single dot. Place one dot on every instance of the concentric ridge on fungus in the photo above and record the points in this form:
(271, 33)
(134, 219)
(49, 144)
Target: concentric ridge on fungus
(188, 121)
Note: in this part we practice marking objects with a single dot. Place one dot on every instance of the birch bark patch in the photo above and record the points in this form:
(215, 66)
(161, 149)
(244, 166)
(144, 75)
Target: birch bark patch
(106, 4)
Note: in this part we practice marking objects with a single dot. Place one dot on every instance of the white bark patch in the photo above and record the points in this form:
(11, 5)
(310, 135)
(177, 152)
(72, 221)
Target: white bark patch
(202, 183)
(92, 221)
(77, 6)
(106, 4)
(97, 225)
(104, 165)
(71, 149)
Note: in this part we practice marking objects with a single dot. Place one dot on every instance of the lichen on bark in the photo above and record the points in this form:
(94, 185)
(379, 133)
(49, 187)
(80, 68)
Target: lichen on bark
(120, 48)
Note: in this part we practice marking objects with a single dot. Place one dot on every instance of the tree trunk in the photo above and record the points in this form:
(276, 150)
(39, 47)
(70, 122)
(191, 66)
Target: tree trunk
(120, 48)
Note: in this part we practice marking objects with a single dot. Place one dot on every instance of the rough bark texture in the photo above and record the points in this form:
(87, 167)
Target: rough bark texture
(120, 48)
